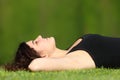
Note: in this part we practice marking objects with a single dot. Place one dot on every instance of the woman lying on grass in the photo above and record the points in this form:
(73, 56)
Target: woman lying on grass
(89, 51)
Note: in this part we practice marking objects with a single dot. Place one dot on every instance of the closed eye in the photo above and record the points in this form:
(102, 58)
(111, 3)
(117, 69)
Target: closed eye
(34, 42)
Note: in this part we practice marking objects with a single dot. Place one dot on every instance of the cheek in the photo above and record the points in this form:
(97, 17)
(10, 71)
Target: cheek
(52, 46)
(42, 47)
(45, 46)
(38, 48)
(48, 47)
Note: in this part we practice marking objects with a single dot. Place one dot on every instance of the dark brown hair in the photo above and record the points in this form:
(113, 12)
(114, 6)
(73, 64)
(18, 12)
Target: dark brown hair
(23, 57)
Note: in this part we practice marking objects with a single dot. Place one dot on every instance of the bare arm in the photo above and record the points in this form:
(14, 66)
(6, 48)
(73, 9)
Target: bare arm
(75, 60)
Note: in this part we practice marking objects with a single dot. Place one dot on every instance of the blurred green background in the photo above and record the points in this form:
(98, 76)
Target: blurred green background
(66, 20)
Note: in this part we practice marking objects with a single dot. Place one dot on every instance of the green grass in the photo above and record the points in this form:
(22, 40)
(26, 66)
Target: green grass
(90, 74)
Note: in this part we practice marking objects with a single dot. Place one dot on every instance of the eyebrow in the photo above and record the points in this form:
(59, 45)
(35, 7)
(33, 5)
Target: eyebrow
(32, 42)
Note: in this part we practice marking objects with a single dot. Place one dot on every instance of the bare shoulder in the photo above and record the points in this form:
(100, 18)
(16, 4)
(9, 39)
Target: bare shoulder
(75, 43)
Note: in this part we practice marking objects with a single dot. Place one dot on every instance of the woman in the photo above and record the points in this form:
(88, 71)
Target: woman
(89, 51)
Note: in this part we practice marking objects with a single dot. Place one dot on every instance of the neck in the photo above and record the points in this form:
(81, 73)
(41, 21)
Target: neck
(59, 53)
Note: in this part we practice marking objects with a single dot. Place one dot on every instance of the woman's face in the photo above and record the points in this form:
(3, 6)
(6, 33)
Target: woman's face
(42, 45)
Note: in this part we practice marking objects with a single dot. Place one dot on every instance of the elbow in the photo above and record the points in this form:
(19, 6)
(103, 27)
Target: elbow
(39, 64)
(35, 65)
(32, 67)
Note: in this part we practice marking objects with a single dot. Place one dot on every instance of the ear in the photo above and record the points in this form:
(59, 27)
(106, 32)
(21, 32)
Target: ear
(44, 55)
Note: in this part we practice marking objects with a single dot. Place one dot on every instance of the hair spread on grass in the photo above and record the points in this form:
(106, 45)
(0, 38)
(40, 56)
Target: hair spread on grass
(23, 57)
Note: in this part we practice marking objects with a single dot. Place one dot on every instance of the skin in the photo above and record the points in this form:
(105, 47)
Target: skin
(54, 58)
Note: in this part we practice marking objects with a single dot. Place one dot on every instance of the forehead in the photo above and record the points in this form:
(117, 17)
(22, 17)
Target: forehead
(29, 43)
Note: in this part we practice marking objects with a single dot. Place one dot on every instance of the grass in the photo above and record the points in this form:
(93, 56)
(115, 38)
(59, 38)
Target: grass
(90, 74)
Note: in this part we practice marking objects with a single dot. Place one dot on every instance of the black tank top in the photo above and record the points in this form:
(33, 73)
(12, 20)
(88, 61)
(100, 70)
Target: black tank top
(105, 51)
